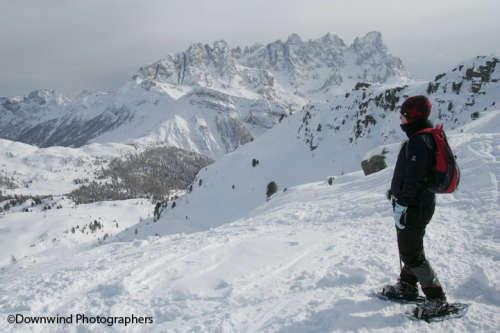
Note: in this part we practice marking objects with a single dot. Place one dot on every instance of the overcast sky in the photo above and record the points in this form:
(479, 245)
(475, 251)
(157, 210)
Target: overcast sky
(73, 45)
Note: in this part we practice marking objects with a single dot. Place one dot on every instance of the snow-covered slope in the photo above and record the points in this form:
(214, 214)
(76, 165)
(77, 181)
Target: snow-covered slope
(209, 98)
(305, 261)
(223, 257)
(53, 170)
(326, 139)
(59, 225)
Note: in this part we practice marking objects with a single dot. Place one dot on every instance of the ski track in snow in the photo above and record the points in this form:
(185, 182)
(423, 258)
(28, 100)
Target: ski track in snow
(305, 261)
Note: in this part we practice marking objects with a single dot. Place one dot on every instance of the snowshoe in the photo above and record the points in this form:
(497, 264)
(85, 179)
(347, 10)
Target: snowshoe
(401, 292)
(380, 295)
(438, 310)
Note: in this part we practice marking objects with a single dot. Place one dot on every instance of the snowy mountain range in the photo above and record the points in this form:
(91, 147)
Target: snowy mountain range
(204, 100)
(226, 254)
(328, 139)
(209, 98)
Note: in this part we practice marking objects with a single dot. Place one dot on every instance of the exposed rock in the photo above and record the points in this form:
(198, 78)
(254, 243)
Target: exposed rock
(373, 164)
(232, 131)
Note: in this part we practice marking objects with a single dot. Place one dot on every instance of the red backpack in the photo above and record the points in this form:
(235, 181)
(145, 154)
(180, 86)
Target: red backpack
(446, 174)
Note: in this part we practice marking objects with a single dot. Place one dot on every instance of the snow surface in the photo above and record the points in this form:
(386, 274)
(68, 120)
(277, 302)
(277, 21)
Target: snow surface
(226, 258)
(52, 170)
(304, 261)
(23, 234)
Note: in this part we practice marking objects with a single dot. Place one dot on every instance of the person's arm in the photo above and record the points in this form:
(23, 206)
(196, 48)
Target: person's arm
(416, 171)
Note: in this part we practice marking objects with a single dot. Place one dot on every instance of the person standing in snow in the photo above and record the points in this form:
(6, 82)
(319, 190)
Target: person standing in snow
(413, 206)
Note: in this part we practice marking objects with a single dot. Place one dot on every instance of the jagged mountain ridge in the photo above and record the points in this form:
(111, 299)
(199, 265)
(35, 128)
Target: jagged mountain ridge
(210, 98)
(312, 66)
(457, 96)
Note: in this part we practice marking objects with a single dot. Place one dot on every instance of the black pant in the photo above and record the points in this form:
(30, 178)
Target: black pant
(411, 247)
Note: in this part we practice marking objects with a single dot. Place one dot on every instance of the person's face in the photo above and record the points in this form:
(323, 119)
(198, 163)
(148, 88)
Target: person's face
(403, 119)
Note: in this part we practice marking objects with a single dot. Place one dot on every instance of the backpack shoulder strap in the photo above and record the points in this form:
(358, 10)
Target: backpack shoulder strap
(427, 136)
(429, 141)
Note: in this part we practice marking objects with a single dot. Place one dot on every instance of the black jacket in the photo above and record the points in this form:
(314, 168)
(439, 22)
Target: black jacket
(413, 167)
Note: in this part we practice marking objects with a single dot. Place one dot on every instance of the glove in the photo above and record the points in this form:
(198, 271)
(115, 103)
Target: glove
(399, 215)
(388, 194)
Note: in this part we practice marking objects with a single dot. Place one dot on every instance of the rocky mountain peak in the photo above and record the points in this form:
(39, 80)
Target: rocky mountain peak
(43, 96)
(372, 40)
(294, 39)
(372, 57)
(332, 39)
(35, 99)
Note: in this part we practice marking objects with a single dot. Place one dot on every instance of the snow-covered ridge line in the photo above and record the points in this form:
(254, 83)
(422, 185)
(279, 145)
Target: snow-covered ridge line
(325, 62)
(367, 112)
(209, 99)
